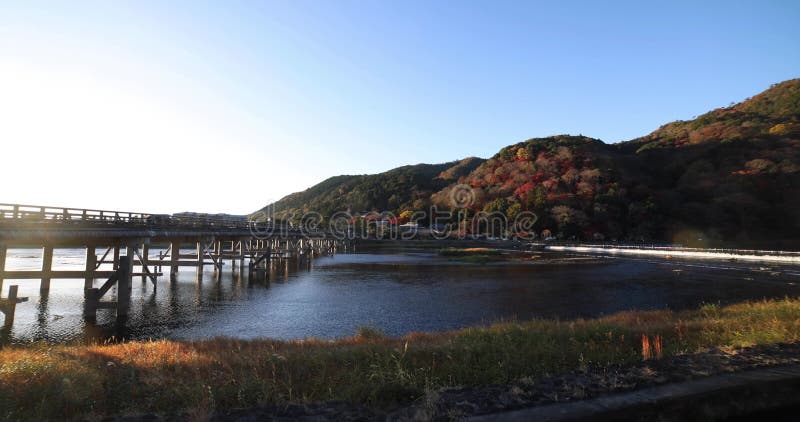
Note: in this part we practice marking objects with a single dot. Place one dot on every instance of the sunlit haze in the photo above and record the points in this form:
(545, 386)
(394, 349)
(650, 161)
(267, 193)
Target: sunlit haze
(225, 106)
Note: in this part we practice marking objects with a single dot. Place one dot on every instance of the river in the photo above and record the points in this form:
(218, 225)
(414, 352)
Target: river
(398, 292)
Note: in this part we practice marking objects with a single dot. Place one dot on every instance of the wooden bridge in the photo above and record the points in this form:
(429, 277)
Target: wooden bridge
(105, 235)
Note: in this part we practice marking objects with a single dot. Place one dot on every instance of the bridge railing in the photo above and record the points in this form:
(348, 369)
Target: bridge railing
(38, 213)
(25, 217)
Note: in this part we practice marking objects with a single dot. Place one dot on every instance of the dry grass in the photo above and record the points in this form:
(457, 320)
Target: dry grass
(468, 251)
(474, 255)
(57, 382)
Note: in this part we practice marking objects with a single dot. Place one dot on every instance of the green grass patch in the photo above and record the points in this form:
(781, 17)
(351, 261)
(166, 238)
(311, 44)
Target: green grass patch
(67, 381)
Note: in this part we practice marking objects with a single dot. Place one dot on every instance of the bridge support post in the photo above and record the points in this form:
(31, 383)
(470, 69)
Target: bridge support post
(123, 278)
(91, 298)
(218, 246)
(91, 263)
(9, 305)
(116, 258)
(125, 283)
(3, 251)
(47, 266)
(200, 257)
(218, 253)
(145, 261)
(174, 256)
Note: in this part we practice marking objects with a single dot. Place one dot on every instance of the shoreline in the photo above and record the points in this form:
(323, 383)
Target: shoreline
(767, 256)
(788, 258)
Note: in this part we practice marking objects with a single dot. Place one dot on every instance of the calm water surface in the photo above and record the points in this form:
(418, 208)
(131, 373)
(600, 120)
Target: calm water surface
(398, 292)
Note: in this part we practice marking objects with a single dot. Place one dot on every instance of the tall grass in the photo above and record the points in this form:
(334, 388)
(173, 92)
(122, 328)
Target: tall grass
(57, 382)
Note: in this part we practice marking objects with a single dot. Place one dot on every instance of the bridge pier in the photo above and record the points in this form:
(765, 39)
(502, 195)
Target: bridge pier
(91, 265)
(200, 257)
(8, 305)
(3, 252)
(125, 284)
(218, 253)
(175, 254)
(47, 267)
(123, 278)
(145, 259)
(91, 300)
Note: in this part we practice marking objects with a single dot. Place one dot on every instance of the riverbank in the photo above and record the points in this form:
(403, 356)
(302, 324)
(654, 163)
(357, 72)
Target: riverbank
(381, 374)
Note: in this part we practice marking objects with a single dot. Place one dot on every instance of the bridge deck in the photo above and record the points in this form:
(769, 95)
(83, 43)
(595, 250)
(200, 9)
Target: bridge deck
(28, 225)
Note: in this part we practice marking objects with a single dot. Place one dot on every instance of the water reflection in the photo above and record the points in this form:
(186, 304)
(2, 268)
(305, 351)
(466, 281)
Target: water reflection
(397, 292)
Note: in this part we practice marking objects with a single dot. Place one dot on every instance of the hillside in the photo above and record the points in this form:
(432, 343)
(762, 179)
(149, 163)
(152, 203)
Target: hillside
(731, 176)
(728, 177)
(573, 183)
(772, 113)
(401, 188)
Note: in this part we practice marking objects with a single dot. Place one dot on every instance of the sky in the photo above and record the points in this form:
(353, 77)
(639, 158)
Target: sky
(169, 106)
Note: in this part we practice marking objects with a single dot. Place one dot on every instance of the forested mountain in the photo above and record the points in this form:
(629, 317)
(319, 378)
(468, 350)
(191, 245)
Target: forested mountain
(405, 187)
(772, 113)
(728, 177)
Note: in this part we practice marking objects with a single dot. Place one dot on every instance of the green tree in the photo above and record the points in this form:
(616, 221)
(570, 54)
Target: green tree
(513, 211)
(498, 205)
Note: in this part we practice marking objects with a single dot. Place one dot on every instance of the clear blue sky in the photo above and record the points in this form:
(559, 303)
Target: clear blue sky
(240, 103)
